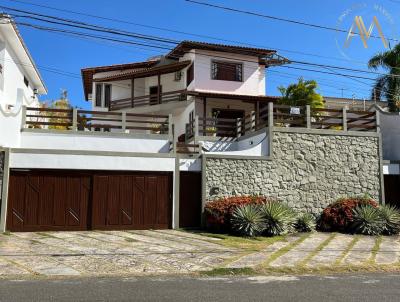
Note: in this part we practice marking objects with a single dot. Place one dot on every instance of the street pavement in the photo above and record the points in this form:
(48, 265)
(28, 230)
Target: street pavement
(366, 288)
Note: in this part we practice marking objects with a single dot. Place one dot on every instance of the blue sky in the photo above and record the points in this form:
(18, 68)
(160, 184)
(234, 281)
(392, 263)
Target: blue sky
(296, 42)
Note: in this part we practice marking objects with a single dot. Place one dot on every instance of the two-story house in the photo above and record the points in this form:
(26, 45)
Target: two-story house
(194, 79)
(166, 135)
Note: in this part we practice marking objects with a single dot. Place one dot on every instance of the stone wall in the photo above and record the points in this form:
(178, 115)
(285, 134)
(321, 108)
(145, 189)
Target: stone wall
(308, 171)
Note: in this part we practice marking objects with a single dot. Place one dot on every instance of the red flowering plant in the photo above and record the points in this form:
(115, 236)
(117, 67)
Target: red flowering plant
(219, 212)
(338, 216)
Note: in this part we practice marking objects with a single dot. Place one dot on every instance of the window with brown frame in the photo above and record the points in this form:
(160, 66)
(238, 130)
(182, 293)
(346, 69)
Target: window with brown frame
(190, 75)
(226, 71)
(107, 95)
(98, 94)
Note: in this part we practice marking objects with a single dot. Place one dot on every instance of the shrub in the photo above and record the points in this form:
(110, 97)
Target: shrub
(247, 220)
(279, 218)
(338, 216)
(305, 223)
(391, 218)
(219, 212)
(367, 220)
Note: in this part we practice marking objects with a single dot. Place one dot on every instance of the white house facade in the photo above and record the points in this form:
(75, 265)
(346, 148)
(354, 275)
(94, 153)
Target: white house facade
(166, 135)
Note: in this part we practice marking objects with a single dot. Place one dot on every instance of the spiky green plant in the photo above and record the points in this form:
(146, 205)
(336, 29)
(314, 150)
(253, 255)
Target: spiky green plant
(279, 218)
(391, 217)
(305, 223)
(247, 220)
(367, 220)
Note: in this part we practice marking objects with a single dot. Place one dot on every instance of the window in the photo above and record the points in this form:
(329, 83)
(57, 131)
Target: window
(226, 71)
(26, 81)
(107, 95)
(190, 75)
(153, 91)
(98, 94)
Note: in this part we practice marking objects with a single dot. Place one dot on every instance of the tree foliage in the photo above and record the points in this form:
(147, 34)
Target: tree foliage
(301, 93)
(387, 86)
(60, 117)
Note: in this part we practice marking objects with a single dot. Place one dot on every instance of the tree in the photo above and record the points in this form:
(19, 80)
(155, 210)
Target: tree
(60, 118)
(301, 94)
(388, 85)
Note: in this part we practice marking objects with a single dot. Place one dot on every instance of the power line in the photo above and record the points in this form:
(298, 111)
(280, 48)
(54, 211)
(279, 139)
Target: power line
(86, 26)
(83, 25)
(184, 33)
(296, 22)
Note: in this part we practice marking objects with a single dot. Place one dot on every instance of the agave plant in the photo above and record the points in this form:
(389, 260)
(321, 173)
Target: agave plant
(247, 220)
(367, 220)
(391, 218)
(279, 218)
(305, 223)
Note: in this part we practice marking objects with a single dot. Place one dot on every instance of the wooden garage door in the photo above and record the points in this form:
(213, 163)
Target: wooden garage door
(132, 201)
(48, 200)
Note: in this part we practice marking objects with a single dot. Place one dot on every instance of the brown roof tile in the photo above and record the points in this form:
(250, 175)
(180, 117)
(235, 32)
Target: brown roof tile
(87, 73)
(186, 46)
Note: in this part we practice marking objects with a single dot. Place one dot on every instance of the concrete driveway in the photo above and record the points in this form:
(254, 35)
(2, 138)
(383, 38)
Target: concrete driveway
(99, 253)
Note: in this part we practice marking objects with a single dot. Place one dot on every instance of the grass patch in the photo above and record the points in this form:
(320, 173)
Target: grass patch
(244, 243)
(46, 235)
(130, 239)
(7, 233)
(285, 249)
(375, 250)
(317, 250)
(229, 272)
(333, 269)
(347, 250)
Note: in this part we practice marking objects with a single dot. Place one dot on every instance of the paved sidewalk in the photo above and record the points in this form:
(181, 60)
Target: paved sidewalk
(317, 250)
(112, 252)
(99, 253)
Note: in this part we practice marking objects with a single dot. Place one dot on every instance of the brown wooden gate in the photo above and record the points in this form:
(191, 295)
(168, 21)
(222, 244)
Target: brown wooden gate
(48, 200)
(43, 200)
(132, 201)
(190, 199)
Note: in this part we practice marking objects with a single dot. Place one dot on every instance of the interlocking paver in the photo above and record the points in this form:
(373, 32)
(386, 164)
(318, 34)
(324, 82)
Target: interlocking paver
(8, 268)
(332, 252)
(108, 252)
(169, 251)
(300, 251)
(361, 251)
(190, 241)
(389, 251)
(43, 265)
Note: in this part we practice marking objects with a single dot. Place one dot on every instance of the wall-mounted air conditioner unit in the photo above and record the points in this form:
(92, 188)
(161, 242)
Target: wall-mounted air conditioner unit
(178, 76)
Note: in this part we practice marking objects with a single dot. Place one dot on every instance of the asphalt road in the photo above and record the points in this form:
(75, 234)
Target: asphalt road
(368, 287)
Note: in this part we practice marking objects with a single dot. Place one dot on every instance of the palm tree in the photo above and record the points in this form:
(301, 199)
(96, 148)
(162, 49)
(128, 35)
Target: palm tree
(301, 94)
(388, 85)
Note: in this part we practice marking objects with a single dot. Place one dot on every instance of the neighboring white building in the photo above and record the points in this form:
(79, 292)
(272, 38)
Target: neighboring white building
(20, 81)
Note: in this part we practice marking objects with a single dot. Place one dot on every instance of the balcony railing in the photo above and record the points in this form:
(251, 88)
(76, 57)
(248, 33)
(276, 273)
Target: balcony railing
(148, 100)
(86, 120)
(283, 116)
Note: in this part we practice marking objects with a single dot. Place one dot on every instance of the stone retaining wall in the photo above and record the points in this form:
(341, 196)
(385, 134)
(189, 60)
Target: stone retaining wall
(308, 171)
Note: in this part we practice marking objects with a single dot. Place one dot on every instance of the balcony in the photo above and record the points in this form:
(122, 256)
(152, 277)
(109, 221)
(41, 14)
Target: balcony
(281, 116)
(148, 100)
